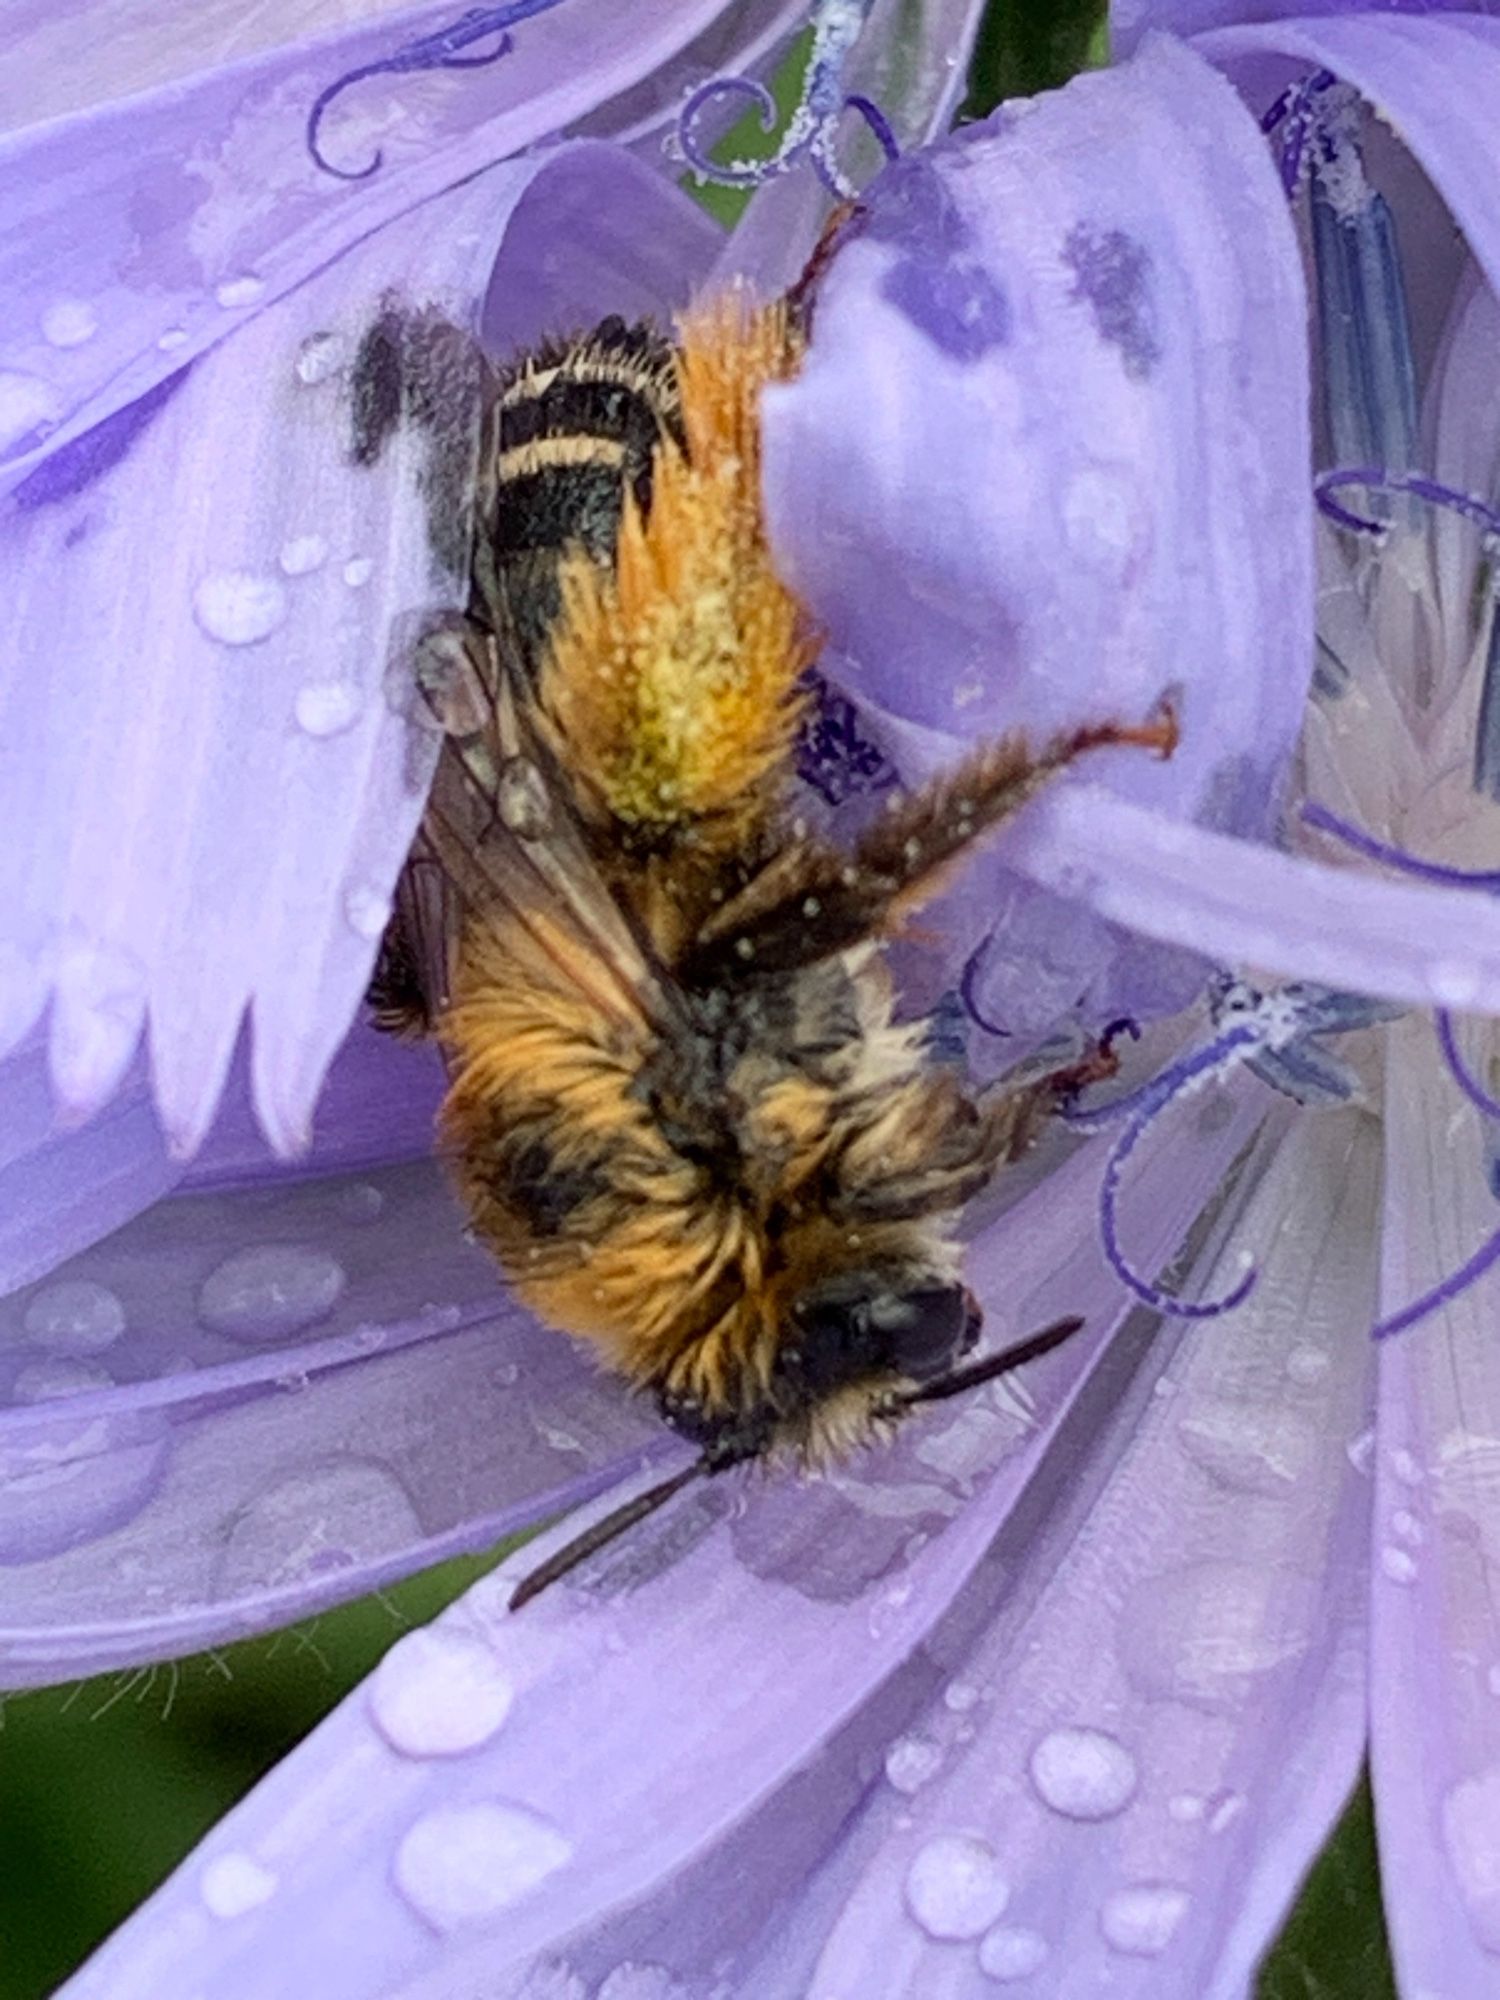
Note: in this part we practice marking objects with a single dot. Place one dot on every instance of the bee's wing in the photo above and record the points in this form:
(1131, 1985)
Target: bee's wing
(503, 824)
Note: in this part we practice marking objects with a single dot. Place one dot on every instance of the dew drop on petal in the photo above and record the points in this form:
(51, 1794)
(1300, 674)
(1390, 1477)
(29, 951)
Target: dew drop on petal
(361, 1201)
(69, 323)
(327, 708)
(1471, 1838)
(29, 408)
(1186, 1807)
(358, 570)
(1010, 1952)
(1227, 1810)
(1407, 1528)
(302, 555)
(315, 1523)
(1405, 1467)
(1246, 1446)
(1141, 1919)
(1205, 1633)
(231, 1884)
(57, 1376)
(461, 1864)
(238, 607)
(243, 291)
(439, 1693)
(1399, 1565)
(368, 911)
(954, 1887)
(1083, 1773)
(960, 1696)
(1360, 1451)
(269, 1292)
(320, 356)
(174, 337)
(1453, 982)
(74, 1316)
(911, 1761)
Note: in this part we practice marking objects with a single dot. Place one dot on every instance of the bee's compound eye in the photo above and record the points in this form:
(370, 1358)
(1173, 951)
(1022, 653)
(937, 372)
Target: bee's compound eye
(923, 1332)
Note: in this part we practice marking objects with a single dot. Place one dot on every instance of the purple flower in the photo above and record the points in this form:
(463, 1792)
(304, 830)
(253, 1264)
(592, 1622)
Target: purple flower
(1065, 1688)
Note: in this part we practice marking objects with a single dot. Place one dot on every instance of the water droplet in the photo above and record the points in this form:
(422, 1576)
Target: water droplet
(74, 1316)
(1009, 1952)
(954, 1887)
(1453, 982)
(361, 1201)
(320, 356)
(1248, 1447)
(1205, 1633)
(242, 291)
(69, 323)
(1186, 1807)
(29, 409)
(270, 1292)
(231, 1884)
(960, 1696)
(1400, 1565)
(358, 570)
(461, 1864)
(911, 1761)
(438, 1693)
(1407, 1528)
(315, 1523)
(1307, 1364)
(1361, 1450)
(1141, 1919)
(58, 1376)
(1471, 1836)
(327, 708)
(1083, 1773)
(1226, 1811)
(368, 911)
(173, 338)
(239, 608)
(302, 555)
(1098, 517)
(1405, 1467)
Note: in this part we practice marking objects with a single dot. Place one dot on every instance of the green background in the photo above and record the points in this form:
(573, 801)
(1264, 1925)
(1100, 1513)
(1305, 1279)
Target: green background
(106, 1785)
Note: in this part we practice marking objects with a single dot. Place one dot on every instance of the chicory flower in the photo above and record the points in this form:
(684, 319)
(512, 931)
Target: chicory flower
(1067, 1686)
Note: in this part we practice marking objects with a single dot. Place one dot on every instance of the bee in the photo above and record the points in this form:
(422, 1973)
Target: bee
(681, 1111)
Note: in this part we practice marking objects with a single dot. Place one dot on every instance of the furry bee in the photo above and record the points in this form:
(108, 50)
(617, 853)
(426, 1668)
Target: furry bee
(681, 1112)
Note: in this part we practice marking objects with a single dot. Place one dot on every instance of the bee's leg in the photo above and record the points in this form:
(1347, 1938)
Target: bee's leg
(802, 297)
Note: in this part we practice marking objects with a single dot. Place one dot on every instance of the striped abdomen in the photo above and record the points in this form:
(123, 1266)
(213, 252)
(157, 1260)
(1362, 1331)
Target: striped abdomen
(569, 428)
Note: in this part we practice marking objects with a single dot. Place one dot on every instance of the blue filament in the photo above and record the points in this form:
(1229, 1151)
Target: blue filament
(811, 131)
(1297, 108)
(1377, 479)
(436, 51)
(1459, 1069)
(1354, 837)
(1484, 1260)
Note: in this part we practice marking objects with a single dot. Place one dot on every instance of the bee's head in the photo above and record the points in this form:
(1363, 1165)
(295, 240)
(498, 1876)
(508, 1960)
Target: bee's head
(853, 1348)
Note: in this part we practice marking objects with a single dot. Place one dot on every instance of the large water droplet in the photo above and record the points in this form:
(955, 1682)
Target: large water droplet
(461, 1864)
(1247, 1447)
(1204, 1634)
(1141, 1919)
(641, 1982)
(954, 1887)
(302, 555)
(231, 1884)
(56, 1377)
(1083, 1773)
(238, 607)
(438, 1693)
(69, 323)
(358, 571)
(270, 1292)
(1471, 1836)
(1009, 1952)
(242, 291)
(29, 409)
(328, 708)
(911, 1761)
(316, 1523)
(74, 1316)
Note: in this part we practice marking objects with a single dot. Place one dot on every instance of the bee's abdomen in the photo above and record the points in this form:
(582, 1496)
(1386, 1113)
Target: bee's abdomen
(570, 430)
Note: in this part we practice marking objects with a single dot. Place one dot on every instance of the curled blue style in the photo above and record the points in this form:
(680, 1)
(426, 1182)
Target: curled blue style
(436, 51)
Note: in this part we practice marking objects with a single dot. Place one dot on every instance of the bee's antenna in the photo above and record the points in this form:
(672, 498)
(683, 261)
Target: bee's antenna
(571, 1554)
(980, 1372)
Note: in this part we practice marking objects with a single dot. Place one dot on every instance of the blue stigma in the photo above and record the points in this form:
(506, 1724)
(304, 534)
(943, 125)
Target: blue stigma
(813, 126)
(436, 51)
